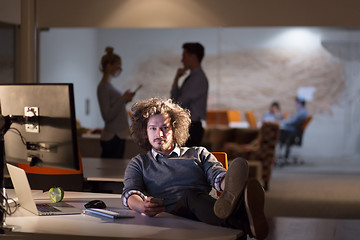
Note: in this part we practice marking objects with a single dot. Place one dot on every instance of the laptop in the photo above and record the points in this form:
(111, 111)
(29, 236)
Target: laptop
(25, 197)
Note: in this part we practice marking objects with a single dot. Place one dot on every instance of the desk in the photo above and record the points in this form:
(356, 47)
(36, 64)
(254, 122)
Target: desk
(164, 226)
(89, 145)
(99, 169)
(104, 174)
(101, 173)
(104, 169)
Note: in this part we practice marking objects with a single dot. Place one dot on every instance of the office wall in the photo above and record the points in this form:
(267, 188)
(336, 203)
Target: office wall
(343, 137)
(69, 56)
(7, 54)
(10, 11)
(247, 69)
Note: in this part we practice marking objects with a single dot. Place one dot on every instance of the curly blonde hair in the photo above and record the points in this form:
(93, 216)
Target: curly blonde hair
(141, 112)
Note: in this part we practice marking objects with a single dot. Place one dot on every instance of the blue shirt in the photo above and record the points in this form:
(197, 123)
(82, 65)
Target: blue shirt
(168, 177)
(271, 117)
(294, 123)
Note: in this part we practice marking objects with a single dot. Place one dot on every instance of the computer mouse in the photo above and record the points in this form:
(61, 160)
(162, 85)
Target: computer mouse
(95, 204)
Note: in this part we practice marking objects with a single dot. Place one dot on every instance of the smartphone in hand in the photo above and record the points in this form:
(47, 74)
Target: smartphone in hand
(140, 86)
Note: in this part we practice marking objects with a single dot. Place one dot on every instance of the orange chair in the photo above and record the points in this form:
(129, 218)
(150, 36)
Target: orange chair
(216, 117)
(250, 117)
(306, 122)
(233, 116)
(285, 115)
(43, 178)
(221, 157)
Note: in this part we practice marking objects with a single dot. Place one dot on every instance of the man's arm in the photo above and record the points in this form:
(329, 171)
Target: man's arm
(196, 87)
(175, 91)
(296, 120)
(179, 73)
(213, 169)
(133, 195)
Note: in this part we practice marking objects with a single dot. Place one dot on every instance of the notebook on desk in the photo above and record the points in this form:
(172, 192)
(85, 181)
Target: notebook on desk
(25, 198)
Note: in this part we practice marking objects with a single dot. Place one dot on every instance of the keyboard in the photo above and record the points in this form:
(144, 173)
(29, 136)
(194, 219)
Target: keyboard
(44, 207)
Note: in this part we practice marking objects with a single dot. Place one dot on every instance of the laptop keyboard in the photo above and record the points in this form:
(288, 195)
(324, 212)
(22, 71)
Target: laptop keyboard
(46, 208)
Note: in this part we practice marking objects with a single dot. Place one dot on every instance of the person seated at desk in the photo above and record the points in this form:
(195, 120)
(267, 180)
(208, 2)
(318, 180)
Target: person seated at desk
(289, 127)
(273, 114)
(183, 177)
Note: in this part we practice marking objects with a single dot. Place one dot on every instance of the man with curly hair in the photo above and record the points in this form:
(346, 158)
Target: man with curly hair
(183, 177)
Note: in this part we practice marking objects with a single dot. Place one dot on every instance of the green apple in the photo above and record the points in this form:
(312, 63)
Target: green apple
(56, 194)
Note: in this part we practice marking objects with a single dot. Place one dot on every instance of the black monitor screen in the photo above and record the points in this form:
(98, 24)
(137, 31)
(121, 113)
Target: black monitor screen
(49, 137)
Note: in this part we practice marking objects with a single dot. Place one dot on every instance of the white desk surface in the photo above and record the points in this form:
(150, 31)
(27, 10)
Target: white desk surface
(164, 226)
(104, 169)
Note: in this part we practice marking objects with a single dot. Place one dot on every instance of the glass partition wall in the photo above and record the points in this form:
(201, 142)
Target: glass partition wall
(247, 68)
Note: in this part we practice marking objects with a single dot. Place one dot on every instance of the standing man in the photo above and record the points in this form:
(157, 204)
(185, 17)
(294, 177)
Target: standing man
(175, 179)
(193, 92)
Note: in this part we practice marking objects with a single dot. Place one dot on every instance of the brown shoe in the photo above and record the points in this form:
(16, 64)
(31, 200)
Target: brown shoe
(235, 181)
(254, 203)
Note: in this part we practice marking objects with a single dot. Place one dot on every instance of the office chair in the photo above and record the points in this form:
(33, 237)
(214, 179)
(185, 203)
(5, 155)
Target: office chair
(216, 117)
(292, 140)
(221, 157)
(261, 150)
(250, 117)
(233, 116)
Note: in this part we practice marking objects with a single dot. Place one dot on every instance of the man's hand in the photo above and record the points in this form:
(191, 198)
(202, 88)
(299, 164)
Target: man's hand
(151, 209)
(179, 73)
(147, 207)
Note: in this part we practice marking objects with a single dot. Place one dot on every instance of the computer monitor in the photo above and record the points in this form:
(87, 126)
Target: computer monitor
(44, 130)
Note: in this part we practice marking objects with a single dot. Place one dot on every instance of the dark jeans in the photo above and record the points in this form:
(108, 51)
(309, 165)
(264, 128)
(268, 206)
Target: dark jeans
(114, 148)
(196, 132)
(199, 205)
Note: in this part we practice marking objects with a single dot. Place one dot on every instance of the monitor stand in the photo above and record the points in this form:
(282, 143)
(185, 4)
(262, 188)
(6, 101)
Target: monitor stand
(3, 199)
(5, 123)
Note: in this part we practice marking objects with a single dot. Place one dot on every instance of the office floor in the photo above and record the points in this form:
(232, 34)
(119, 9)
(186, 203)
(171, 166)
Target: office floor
(319, 199)
(32, 236)
(313, 229)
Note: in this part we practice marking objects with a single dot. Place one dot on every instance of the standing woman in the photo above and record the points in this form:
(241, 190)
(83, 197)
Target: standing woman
(113, 107)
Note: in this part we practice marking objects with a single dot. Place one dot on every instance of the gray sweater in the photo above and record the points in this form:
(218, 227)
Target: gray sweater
(170, 177)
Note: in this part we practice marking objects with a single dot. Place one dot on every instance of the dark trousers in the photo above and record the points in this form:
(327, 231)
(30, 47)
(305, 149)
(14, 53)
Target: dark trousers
(286, 139)
(196, 132)
(199, 205)
(114, 148)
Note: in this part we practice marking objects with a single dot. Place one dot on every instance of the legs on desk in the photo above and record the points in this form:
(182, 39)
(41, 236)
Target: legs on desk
(241, 205)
